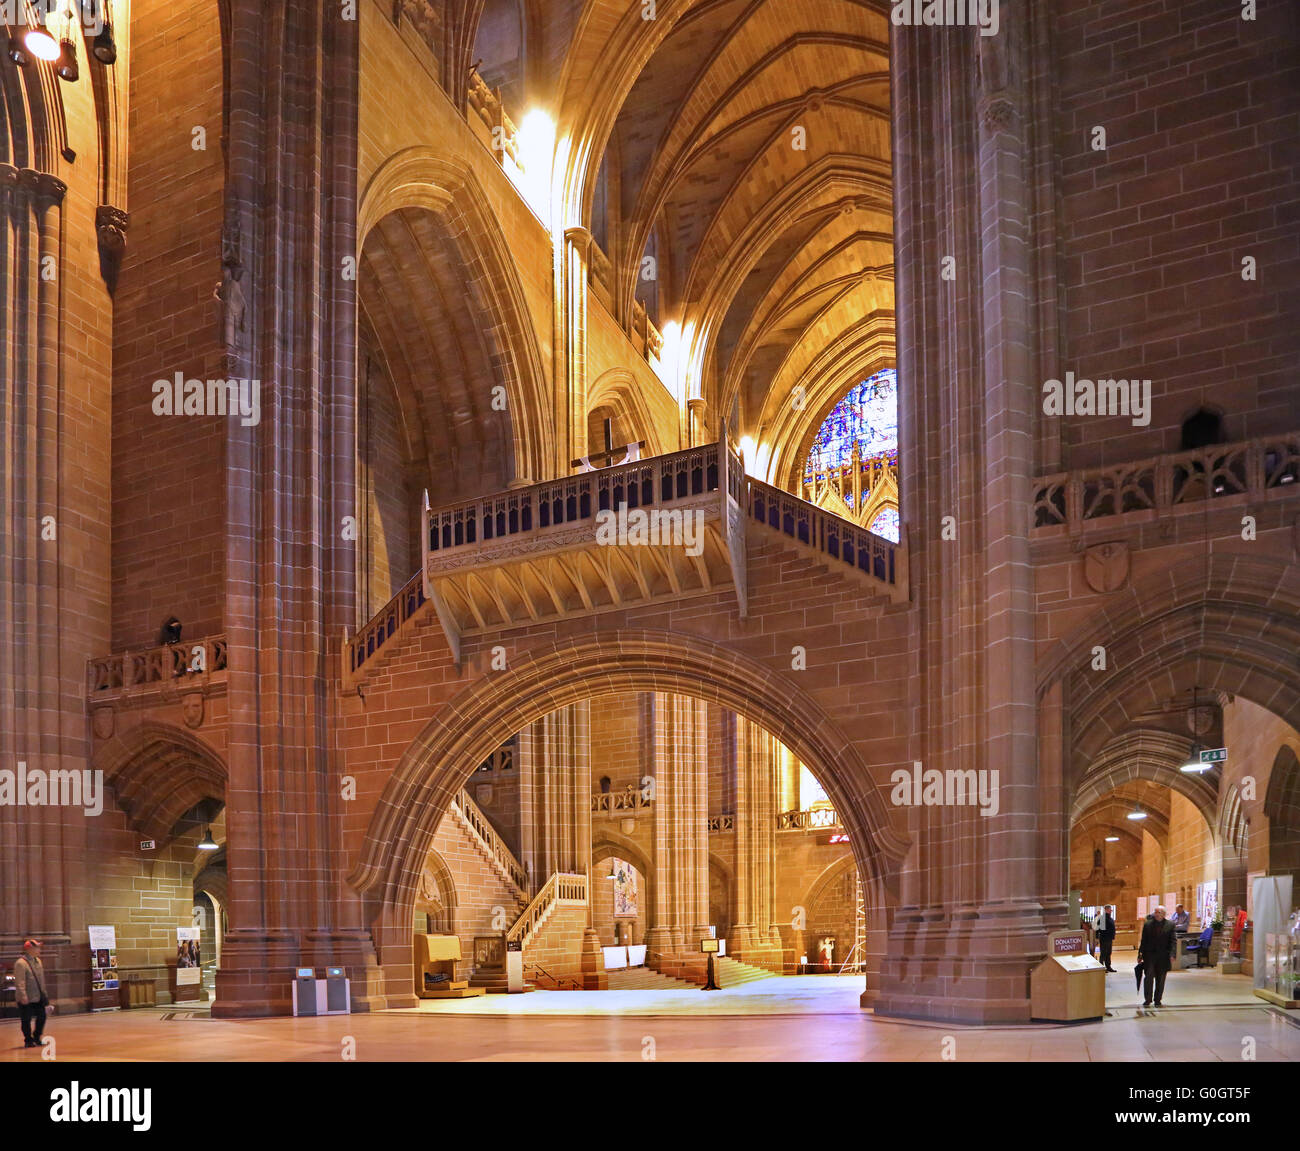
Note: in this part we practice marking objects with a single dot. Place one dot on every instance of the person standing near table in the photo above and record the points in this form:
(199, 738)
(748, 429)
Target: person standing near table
(1156, 954)
(1104, 926)
(29, 980)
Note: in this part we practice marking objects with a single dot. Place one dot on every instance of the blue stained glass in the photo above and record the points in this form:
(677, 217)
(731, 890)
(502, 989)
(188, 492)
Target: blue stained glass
(866, 416)
(886, 524)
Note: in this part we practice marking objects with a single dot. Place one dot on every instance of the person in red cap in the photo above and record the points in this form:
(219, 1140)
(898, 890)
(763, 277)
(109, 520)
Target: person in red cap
(29, 977)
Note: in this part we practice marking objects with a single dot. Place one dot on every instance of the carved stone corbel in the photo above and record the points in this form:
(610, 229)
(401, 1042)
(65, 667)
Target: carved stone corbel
(110, 227)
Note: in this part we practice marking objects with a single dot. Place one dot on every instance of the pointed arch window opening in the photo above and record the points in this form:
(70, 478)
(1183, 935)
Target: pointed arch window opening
(856, 450)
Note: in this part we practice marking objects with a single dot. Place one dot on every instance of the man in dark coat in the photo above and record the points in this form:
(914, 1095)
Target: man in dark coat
(1105, 929)
(1156, 954)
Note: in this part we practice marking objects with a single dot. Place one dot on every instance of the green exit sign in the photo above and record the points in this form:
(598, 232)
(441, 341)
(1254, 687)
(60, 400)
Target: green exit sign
(1214, 755)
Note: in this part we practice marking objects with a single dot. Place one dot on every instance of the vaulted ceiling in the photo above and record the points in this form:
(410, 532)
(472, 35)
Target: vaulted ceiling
(752, 156)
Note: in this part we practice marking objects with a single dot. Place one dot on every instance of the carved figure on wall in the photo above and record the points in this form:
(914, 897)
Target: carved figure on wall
(1105, 567)
(231, 290)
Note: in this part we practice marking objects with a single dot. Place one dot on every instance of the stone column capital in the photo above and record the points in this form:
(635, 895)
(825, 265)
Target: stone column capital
(579, 238)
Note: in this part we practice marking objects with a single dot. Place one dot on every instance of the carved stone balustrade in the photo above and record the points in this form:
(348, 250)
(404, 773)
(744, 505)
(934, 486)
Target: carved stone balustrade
(633, 799)
(1245, 472)
(156, 671)
(816, 819)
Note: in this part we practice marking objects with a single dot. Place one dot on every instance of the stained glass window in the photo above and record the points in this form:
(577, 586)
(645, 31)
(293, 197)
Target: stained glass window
(886, 524)
(866, 416)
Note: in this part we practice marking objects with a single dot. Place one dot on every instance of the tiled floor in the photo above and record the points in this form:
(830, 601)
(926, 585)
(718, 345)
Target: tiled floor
(1209, 1017)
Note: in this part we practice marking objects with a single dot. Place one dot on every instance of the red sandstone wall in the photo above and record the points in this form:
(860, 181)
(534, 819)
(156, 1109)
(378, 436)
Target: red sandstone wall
(168, 480)
(1201, 110)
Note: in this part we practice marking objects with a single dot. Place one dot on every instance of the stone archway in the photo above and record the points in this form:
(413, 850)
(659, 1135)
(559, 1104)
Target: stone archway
(418, 178)
(445, 754)
(607, 844)
(1282, 807)
(158, 772)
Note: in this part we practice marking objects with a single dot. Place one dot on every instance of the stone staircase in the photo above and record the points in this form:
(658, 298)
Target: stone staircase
(644, 979)
(732, 972)
(474, 822)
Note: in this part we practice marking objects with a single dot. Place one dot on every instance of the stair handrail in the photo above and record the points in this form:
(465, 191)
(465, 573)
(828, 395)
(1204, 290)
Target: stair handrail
(381, 627)
(564, 888)
(478, 824)
(830, 535)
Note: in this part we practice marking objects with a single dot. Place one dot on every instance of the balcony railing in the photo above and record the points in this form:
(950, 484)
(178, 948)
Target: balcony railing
(633, 799)
(555, 505)
(816, 819)
(177, 663)
(722, 823)
(487, 103)
(1248, 469)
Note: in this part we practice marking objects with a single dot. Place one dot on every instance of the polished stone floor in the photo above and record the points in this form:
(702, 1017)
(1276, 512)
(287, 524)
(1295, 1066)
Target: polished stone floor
(1208, 1017)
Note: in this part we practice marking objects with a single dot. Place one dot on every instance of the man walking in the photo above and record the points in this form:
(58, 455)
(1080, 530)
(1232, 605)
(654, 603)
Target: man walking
(1104, 926)
(1156, 954)
(29, 979)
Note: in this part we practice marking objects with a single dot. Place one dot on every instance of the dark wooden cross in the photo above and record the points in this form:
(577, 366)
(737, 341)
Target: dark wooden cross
(610, 455)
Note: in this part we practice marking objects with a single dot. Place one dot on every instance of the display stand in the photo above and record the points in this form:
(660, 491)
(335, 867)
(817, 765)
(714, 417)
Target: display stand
(437, 955)
(1282, 963)
(1069, 985)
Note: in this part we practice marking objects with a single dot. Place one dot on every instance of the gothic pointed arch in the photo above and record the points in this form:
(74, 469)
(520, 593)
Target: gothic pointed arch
(419, 180)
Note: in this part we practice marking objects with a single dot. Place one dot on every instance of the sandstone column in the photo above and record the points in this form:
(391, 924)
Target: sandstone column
(972, 916)
(681, 826)
(291, 203)
(53, 572)
(755, 763)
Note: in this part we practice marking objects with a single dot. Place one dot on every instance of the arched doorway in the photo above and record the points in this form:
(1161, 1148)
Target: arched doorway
(435, 768)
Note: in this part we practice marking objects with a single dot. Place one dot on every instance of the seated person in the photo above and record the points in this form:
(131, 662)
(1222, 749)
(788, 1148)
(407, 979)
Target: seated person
(1181, 919)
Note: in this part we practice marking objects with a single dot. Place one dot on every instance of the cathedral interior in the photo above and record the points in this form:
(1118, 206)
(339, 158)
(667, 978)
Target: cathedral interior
(607, 499)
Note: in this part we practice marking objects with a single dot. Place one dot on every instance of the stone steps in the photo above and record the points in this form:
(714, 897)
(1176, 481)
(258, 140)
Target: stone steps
(645, 979)
(732, 972)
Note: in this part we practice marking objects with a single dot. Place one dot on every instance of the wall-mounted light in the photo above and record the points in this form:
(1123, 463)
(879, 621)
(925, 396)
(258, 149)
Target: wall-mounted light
(17, 53)
(67, 66)
(103, 47)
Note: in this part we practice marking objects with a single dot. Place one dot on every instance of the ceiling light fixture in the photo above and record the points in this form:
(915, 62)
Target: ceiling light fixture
(207, 843)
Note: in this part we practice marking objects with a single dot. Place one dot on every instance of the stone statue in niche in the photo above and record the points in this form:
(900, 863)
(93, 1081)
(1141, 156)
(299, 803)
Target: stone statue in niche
(231, 290)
